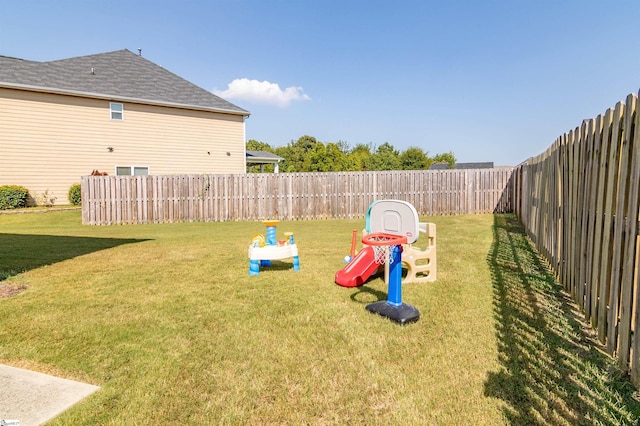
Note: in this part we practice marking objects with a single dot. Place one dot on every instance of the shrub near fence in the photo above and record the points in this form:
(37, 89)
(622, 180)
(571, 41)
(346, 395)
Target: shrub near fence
(579, 203)
(13, 196)
(110, 200)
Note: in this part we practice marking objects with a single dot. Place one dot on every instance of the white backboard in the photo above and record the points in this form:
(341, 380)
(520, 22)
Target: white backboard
(394, 217)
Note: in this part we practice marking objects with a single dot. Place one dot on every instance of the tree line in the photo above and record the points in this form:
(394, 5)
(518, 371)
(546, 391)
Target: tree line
(310, 155)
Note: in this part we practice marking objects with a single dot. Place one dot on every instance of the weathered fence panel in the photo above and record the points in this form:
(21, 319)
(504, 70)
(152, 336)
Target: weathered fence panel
(580, 202)
(108, 200)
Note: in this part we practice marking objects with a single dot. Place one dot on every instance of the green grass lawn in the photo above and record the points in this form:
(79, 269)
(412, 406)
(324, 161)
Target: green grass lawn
(166, 319)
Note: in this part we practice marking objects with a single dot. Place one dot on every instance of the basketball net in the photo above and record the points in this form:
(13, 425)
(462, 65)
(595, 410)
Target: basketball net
(382, 254)
(382, 244)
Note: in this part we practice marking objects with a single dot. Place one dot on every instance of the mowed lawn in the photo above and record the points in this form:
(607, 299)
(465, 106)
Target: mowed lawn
(166, 319)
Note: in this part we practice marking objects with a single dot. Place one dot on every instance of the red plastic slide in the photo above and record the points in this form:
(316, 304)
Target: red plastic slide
(359, 269)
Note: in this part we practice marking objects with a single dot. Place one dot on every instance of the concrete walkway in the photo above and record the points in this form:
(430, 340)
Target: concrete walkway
(33, 398)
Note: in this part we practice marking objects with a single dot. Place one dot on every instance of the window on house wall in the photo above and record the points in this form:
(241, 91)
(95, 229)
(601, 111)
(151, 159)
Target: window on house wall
(117, 111)
(132, 171)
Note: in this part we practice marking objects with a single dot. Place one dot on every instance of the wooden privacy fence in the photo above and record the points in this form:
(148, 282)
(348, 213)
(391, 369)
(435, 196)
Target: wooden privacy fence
(110, 200)
(579, 203)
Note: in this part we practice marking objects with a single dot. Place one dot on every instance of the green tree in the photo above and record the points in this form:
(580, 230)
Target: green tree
(307, 154)
(447, 157)
(359, 158)
(386, 158)
(344, 147)
(254, 145)
(285, 165)
(329, 158)
(297, 155)
(414, 158)
(387, 148)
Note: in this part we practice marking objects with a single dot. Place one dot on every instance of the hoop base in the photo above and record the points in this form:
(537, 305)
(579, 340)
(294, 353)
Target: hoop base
(402, 314)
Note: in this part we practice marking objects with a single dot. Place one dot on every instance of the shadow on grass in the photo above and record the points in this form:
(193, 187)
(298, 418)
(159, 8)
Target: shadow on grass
(553, 371)
(23, 252)
(277, 266)
(366, 295)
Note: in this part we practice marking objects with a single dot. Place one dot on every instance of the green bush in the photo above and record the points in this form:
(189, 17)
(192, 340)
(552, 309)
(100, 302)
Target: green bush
(13, 197)
(75, 194)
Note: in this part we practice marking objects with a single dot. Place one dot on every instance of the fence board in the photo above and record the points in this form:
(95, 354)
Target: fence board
(609, 170)
(593, 242)
(618, 223)
(625, 236)
(581, 151)
(573, 191)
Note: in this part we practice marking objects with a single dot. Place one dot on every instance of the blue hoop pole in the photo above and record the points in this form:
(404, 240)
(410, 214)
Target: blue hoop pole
(394, 296)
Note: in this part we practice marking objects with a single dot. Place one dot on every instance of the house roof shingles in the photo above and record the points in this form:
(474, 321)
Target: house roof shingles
(119, 75)
(445, 166)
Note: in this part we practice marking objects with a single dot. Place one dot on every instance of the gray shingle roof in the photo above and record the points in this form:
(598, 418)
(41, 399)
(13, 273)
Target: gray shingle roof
(119, 75)
(481, 165)
(445, 166)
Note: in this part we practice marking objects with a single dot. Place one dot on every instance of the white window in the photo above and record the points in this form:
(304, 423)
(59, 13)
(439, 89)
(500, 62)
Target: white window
(117, 111)
(132, 171)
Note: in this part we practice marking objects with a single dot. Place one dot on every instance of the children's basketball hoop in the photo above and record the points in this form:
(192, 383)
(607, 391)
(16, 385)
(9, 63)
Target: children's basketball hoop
(389, 225)
(381, 243)
(392, 223)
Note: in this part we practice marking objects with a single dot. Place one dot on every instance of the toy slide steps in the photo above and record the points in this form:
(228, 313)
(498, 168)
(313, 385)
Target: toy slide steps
(359, 269)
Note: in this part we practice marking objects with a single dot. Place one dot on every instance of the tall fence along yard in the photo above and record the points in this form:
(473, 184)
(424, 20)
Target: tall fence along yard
(579, 203)
(110, 200)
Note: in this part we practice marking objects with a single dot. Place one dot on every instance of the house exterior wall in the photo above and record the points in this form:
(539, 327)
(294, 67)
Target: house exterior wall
(48, 141)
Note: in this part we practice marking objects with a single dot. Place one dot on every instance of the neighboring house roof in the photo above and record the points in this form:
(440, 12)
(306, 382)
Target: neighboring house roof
(481, 165)
(119, 75)
(262, 157)
(439, 166)
(445, 166)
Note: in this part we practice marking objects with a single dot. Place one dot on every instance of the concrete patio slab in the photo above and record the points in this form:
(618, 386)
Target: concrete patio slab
(33, 398)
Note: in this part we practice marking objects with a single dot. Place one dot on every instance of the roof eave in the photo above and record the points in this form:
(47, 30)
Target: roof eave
(263, 159)
(67, 92)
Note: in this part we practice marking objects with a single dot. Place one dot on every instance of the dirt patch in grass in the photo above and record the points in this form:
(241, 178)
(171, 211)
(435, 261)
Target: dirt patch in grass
(11, 290)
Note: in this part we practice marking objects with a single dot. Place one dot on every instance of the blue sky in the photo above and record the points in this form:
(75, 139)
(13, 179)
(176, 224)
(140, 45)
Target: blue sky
(491, 80)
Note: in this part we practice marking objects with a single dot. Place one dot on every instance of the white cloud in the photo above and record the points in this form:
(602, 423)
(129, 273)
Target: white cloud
(262, 92)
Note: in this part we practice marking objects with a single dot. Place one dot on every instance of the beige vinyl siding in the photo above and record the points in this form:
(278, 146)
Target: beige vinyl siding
(48, 141)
